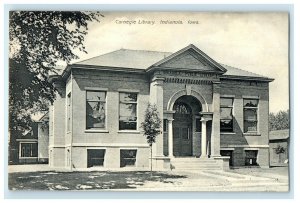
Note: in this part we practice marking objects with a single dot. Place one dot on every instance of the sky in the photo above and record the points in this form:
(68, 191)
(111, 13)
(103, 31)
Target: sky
(256, 42)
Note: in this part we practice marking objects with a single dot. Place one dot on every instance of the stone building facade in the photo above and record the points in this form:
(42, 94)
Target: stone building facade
(213, 115)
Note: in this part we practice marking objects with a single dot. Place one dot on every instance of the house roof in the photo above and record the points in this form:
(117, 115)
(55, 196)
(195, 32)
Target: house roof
(143, 60)
(279, 134)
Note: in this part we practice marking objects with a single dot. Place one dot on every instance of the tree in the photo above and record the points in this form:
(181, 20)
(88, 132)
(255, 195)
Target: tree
(279, 121)
(38, 41)
(151, 126)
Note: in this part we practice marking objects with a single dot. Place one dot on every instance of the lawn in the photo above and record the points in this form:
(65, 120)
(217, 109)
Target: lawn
(86, 180)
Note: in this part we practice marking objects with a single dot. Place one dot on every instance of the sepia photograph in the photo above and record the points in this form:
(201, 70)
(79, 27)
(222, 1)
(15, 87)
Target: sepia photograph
(148, 101)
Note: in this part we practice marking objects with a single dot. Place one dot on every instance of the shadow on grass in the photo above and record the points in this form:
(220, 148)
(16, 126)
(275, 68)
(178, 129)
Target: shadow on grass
(87, 180)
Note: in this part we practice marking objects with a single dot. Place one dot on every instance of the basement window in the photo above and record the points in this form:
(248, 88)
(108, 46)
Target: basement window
(251, 158)
(128, 157)
(95, 157)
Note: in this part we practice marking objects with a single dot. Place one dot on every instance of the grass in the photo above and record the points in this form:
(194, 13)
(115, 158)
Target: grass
(86, 180)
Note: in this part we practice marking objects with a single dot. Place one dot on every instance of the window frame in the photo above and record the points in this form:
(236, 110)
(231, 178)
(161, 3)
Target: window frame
(95, 129)
(250, 120)
(135, 158)
(165, 125)
(256, 157)
(89, 157)
(232, 113)
(25, 157)
(129, 102)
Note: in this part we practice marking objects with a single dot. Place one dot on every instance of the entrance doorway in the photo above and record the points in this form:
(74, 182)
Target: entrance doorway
(182, 130)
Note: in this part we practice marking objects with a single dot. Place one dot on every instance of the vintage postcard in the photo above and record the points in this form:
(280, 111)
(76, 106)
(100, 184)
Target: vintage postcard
(149, 101)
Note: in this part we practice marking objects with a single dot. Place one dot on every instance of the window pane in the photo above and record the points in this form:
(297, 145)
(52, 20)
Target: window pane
(165, 125)
(128, 97)
(128, 110)
(251, 157)
(250, 114)
(226, 101)
(226, 125)
(95, 117)
(127, 157)
(95, 96)
(181, 108)
(250, 126)
(128, 153)
(250, 102)
(96, 157)
(123, 125)
(29, 150)
(226, 113)
(34, 149)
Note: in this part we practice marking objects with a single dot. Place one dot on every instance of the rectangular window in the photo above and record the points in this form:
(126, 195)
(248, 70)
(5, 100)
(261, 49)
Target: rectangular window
(250, 115)
(226, 117)
(29, 150)
(95, 157)
(251, 157)
(128, 157)
(69, 112)
(128, 111)
(165, 125)
(95, 109)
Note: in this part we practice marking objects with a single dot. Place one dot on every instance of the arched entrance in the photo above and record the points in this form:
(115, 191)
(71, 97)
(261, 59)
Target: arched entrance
(184, 125)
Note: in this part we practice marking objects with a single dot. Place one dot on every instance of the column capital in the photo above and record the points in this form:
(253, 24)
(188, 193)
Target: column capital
(203, 120)
(206, 115)
(170, 120)
(169, 112)
(158, 80)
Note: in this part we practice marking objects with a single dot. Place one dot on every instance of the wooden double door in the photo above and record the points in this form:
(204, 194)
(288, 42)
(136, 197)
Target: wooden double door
(182, 137)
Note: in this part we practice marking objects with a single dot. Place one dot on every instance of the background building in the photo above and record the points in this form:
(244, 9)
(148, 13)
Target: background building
(279, 142)
(32, 146)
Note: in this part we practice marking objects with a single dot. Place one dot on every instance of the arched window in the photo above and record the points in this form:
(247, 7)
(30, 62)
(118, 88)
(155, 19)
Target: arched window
(182, 108)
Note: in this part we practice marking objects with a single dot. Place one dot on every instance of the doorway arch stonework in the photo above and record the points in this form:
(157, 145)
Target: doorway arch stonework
(183, 92)
(204, 111)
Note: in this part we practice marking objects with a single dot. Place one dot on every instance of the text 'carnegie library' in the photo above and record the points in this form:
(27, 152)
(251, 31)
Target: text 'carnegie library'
(153, 22)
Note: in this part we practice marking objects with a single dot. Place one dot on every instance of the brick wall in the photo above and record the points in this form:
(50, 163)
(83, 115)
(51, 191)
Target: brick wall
(241, 90)
(111, 139)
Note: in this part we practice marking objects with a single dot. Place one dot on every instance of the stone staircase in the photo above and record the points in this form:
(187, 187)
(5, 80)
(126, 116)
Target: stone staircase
(192, 163)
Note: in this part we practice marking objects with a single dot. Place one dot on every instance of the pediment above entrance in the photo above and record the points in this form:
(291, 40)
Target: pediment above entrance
(189, 58)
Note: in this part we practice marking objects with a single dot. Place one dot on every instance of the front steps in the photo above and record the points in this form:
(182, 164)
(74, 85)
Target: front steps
(192, 163)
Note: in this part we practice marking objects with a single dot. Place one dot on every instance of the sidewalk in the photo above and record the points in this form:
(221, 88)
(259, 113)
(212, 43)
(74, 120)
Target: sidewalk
(28, 168)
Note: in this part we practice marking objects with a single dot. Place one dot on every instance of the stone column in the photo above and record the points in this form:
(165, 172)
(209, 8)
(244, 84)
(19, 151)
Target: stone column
(203, 139)
(170, 137)
(156, 97)
(215, 134)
